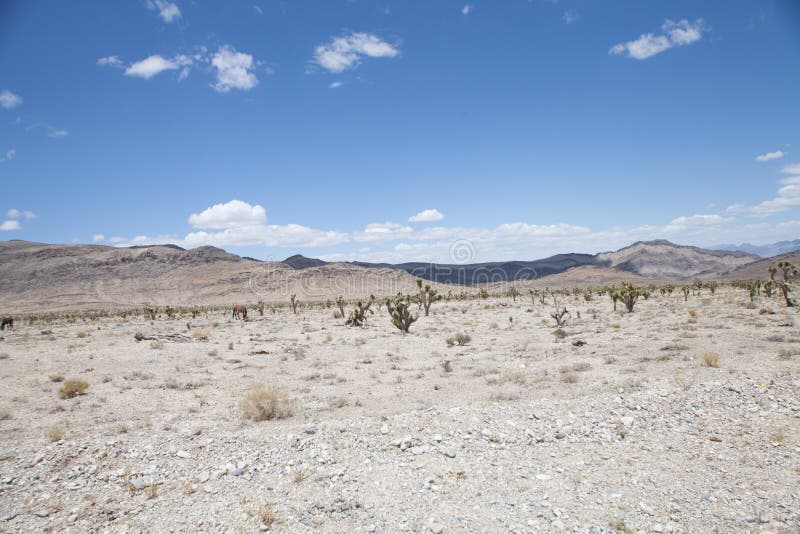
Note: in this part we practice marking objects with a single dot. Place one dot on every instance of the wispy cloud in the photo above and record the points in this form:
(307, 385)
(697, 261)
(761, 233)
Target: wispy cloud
(168, 11)
(679, 33)
(427, 216)
(14, 213)
(9, 155)
(346, 52)
(570, 16)
(466, 10)
(156, 64)
(769, 156)
(109, 61)
(793, 168)
(335, 85)
(9, 100)
(233, 70)
(98, 238)
(57, 133)
(257, 8)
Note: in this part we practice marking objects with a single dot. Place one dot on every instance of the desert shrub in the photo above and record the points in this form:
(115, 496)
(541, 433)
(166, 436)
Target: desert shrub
(264, 403)
(267, 515)
(711, 359)
(83, 334)
(460, 339)
(156, 345)
(569, 378)
(54, 433)
(559, 314)
(73, 388)
(693, 313)
(447, 366)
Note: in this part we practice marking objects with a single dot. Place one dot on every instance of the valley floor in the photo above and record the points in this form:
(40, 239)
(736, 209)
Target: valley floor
(519, 431)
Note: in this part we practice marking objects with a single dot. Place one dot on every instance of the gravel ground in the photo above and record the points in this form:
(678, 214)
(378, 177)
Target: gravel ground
(521, 431)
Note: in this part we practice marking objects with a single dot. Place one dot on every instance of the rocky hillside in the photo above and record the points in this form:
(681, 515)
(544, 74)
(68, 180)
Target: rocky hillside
(657, 260)
(758, 269)
(665, 260)
(36, 277)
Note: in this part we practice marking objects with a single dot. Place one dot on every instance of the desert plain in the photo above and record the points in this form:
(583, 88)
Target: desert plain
(679, 417)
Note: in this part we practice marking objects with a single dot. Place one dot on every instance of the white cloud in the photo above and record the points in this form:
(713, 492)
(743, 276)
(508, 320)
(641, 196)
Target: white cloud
(14, 213)
(769, 156)
(10, 153)
(7, 226)
(378, 232)
(788, 196)
(346, 52)
(466, 10)
(57, 133)
(233, 70)
(703, 221)
(229, 215)
(679, 33)
(109, 61)
(98, 238)
(427, 216)
(168, 11)
(335, 85)
(570, 16)
(9, 100)
(156, 64)
(794, 168)
(258, 9)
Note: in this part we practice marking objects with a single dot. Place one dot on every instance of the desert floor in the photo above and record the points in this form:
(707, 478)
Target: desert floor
(521, 431)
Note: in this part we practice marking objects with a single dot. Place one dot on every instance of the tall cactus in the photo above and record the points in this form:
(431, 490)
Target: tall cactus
(401, 317)
(358, 317)
(427, 296)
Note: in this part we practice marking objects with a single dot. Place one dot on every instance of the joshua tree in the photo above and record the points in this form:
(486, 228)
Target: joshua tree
(340, 304)
(151, 312)
(260, 308)
(629, 294)
(399, 312)
(532, 293)
(773, 270)
(427, 296)
(789, 272)
(513, 293)
(358, 317)
(615, 296)
(686, 290)
(295, 302)
(712, 286)
(769, 287)
(752, 289)
(559, 314)
(482, 293)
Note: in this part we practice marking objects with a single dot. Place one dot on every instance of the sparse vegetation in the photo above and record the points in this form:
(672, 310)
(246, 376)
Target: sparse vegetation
(711, 359)
(73, 388)
(398, 310)
(264, 403)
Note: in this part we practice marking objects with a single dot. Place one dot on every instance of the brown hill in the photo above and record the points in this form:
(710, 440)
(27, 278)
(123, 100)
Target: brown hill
(758, 269)
(36, 277)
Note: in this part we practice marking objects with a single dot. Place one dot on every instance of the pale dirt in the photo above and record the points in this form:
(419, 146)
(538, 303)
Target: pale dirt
(653, 439)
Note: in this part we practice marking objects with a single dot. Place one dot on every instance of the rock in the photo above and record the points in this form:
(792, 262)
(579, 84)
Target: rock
(764, 517)
(626, 421)
(137, 484)
(450, 452)
(437, 528)
(385, 429)
(311, 430)
(204, 476)
(563, 432)
(183, 454)
(44, 512)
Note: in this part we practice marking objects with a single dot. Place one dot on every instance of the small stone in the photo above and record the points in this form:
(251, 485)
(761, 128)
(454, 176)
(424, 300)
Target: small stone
(437, 528)
(137, 484)
(44, 512)
(450, 452)
(763, 517)
(563, 432)
(385, 429)
(237, 472)
(204, 476)
(182, 454)
(311, 430)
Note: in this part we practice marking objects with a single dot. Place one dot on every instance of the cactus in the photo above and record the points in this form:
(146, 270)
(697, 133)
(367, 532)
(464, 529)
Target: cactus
(482, 293)
(340, 304)
(560, 314)
(712, 286)
(513, 292)
(427, 296)
(752, 289)
(615, 296)
(260, 308)
(294, 302)
(358, 317)
(629, 294)
(789, 272)
(686, 290)
(151, 312)
(399, 312)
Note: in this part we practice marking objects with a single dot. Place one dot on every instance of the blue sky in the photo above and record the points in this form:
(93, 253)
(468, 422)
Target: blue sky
(396, 131)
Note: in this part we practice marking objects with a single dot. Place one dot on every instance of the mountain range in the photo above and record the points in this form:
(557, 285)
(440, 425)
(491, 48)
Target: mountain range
(765, 251)
(36, 277)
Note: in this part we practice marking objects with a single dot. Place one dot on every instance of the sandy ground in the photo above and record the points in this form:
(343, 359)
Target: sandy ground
(520, 431)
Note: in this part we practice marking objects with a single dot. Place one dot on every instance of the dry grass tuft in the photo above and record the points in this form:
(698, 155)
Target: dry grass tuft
(73, 388)
(156, 345)
(711, 359)
(263, 403)
(267, 515)
(54, 433)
